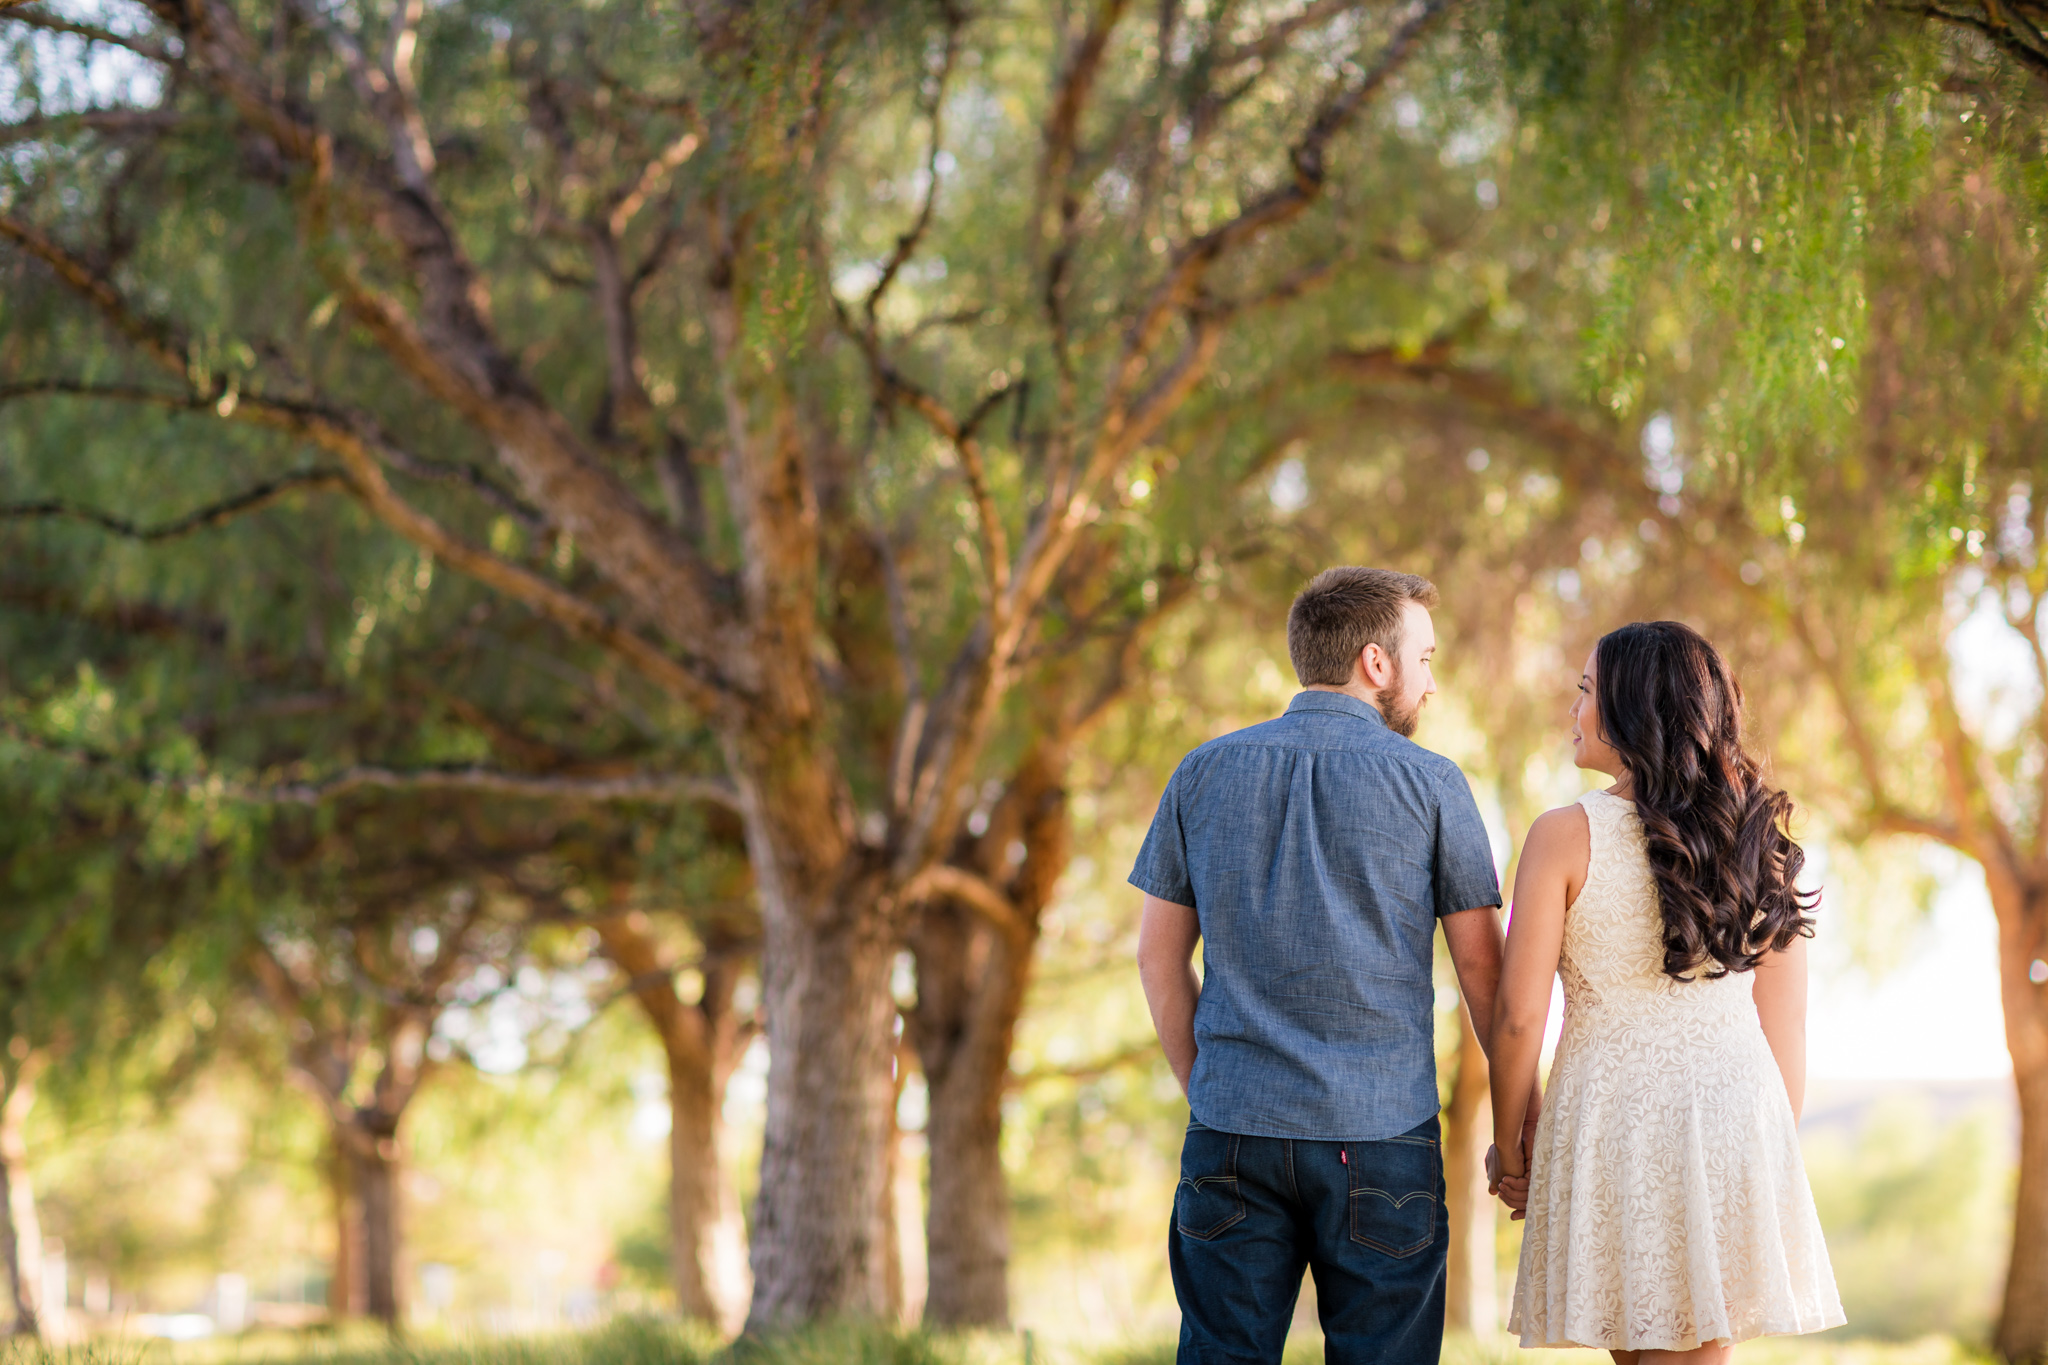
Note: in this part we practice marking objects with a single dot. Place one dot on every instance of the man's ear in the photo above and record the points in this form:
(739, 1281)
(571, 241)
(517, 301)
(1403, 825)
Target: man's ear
(1374, 667)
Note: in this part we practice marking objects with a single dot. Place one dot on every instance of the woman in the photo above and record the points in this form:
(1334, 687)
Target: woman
(1668, 1211)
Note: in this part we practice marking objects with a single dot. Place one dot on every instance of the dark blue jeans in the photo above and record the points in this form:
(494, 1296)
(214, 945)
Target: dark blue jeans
(1366, 1218)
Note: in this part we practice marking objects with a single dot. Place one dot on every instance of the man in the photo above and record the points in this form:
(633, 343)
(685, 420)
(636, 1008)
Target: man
(1313, 856)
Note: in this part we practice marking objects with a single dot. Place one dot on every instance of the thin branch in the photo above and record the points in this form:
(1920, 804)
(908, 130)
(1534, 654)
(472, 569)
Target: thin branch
(387, 94)
(907, 242)
(977, 893)
(651, 787)
(13, 12)
(213, 514)
(1088, 1071)
(157, 340)
(363, 449)
(2030, 54)
(112, 122)
(1264, 47)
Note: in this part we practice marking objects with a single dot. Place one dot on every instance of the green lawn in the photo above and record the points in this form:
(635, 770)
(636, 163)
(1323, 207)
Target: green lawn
(633, 1341)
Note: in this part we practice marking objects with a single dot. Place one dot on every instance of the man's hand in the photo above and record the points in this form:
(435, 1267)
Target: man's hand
(1512, 1189)
(1514, 1192)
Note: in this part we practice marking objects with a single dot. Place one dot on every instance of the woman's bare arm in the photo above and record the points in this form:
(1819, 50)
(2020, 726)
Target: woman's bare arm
(1781, 1006)
(1548, 878)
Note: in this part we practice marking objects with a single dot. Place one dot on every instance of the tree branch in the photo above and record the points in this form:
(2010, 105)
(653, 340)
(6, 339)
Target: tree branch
(13, 11)
(214, 514)
(2029, 48)
(978, 894)
(360, 445)
(109, 121)
(1267, 44)
(651, 787)
(907, 242)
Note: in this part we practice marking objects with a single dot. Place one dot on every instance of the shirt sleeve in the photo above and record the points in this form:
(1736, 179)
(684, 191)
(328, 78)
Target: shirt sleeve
(1465, 879)
(1162, 867)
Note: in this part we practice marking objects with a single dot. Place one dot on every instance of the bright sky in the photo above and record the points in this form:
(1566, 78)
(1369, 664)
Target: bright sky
(1934, 1017)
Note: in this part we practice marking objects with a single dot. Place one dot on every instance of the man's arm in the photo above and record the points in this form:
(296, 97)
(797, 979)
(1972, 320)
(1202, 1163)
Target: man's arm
(1474, 938)
(1166, 951)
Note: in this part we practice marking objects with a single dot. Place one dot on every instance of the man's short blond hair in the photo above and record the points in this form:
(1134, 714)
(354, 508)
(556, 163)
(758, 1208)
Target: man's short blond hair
(1341, 611)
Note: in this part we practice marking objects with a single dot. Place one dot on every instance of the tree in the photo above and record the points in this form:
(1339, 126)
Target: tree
(774, 380)
(703, 1034)
(1808, 411)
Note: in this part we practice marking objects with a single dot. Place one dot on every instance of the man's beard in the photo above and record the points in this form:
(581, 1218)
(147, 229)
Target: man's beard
(1401, 722)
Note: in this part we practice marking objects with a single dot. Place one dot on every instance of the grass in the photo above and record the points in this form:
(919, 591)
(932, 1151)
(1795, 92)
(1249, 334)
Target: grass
(648, 1341)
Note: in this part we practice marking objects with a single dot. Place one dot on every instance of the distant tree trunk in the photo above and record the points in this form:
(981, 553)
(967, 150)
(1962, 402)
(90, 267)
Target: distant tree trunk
(345, 1277)
(365, 1174)
(702, 1042)
(967, 1243)
(325, 1051)
(1470, 1304)
(973, 970)
(21, 1238)
(2022, 910)
(375, 1167)
(707, 1232)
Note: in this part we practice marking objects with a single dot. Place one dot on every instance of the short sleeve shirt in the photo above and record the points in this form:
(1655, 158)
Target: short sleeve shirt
(1318, 850)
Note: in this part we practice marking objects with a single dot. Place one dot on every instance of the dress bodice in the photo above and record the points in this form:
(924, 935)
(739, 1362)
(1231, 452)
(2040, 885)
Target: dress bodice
(1613, 951)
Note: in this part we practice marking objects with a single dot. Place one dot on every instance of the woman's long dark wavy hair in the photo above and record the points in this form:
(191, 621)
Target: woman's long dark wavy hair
(1725, 866)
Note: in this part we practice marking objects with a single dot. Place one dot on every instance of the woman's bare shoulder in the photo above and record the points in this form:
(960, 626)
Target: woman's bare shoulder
(1560, 833)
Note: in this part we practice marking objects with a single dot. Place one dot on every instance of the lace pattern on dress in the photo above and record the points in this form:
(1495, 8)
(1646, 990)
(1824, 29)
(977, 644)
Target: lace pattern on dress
(1668, 1204)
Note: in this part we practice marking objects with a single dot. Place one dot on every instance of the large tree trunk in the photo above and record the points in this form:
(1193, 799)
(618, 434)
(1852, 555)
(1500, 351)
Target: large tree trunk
(2023, 1318)
(21, 1238)
(1470, 1304)
(821, 1222)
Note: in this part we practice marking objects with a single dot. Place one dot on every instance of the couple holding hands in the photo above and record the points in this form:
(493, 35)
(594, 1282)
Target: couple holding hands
(1667, 1210)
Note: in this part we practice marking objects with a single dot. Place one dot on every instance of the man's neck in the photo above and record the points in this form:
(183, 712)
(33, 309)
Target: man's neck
(1355, 688)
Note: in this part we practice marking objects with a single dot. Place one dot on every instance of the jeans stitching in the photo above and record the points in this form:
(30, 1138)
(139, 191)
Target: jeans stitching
(1387, 1248)
(1229, 1179)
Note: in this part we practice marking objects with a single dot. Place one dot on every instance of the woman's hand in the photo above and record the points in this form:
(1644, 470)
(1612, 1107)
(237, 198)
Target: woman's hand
(1511, 1186)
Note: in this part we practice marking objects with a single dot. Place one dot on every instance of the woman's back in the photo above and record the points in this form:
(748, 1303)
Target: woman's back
(1613, 957)
(1668, 1206)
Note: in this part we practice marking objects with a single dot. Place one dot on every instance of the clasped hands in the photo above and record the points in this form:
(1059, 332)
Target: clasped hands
(1513, 1186)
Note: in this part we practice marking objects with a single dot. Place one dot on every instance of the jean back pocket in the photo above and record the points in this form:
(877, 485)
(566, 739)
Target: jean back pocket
(1207, 1203)
(1394, 1194)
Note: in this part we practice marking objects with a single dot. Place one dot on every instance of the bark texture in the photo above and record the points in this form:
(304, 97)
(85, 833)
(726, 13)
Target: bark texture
(822, 1219)
(1470, 1284)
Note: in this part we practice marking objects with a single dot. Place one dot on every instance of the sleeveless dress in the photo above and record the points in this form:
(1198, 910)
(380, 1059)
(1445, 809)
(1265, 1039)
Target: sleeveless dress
(1668, 1205)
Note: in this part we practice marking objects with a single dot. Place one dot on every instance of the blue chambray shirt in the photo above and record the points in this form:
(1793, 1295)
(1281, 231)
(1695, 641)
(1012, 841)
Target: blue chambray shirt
(1318, 850)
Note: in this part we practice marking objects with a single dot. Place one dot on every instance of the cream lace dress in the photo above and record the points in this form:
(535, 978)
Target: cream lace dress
(1668, 1205)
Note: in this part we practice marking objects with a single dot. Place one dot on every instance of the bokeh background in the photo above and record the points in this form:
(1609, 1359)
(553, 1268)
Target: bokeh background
(481, 481)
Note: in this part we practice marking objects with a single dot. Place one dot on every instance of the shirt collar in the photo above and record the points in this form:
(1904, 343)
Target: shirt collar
(1335, 701)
